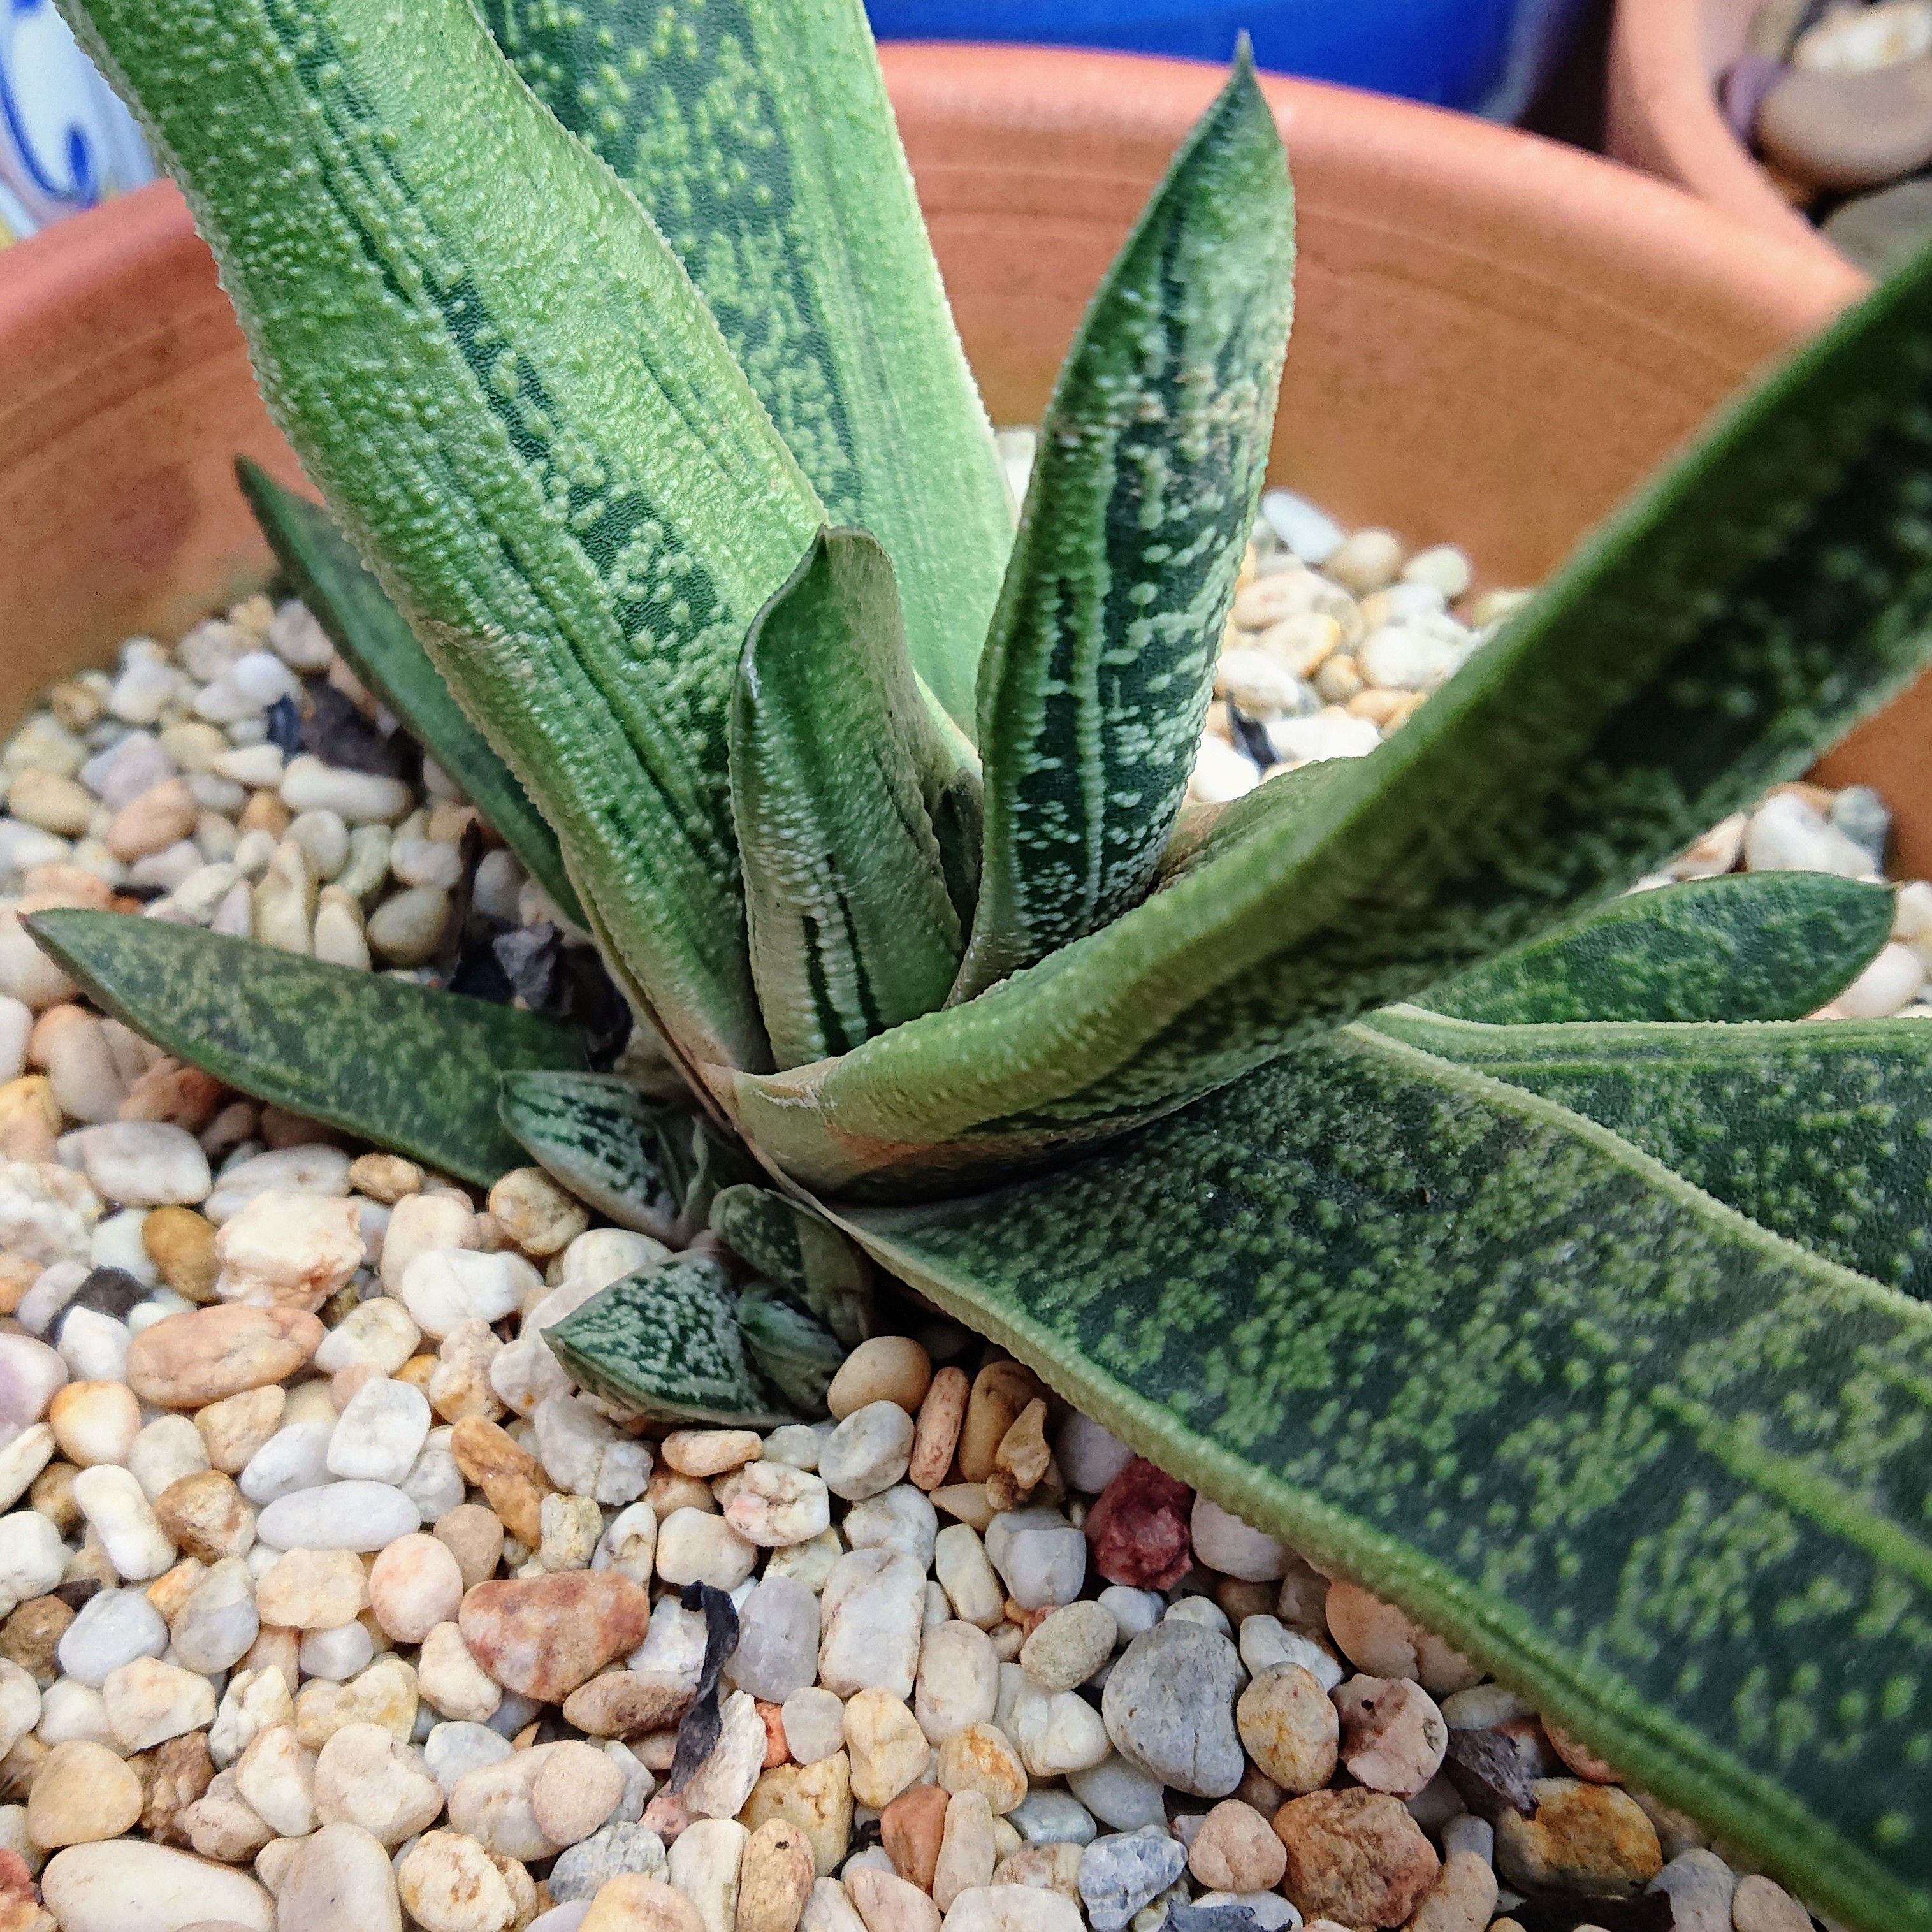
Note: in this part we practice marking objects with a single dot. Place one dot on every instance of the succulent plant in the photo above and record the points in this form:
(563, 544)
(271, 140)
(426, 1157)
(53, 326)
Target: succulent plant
(1516, 1249)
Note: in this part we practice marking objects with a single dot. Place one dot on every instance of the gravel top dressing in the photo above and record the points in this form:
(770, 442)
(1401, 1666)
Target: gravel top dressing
(336, 1598)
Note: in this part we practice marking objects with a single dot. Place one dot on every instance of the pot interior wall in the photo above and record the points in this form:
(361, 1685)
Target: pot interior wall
(1495, 338)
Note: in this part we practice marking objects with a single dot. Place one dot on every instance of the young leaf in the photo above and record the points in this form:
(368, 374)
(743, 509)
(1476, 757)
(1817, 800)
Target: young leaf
(758, 135)
(1645, 1461)
(853, 929)
(665, 1342)
(1100, 663)
(719, 1161)
(406, 1066)
(599, 1137)
(524, 416)
(1732, 620)
(794, 1352)
(1752, 945)
(382, 649)
(1820, 1131)
(801, 1251)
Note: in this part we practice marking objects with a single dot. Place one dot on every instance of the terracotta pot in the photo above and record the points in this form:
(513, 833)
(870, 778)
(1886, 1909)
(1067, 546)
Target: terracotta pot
(1496, 338)
(1666, 56)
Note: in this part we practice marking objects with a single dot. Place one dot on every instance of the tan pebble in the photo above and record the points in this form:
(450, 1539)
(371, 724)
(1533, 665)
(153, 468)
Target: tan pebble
(512, 1478)
(82, 1793)
(1289, 1727)
(286, 1249)
(1355, 1856)
(967, 1501)
(535, 1213)
(967, 1853)
(386, 1177)
(30, 1637)
(1581, 1838)
(1761, 1905)
(94, 1422)
(186, 1361)
(577, 1788)
(419, 1222)
(233, 1430)
(1236, 1850)
(312, 1589)
(475, 1537)
(774, 1879)
(979, 1759)
(447, 1883)
(163, 814)
(1000, 1390)
(706, 1453)
(51, 803)
(385, 1694)
(888, 1748)
(940, 1416)
(273, 1649)
(222, 1824)
(1461, 1899)
(669, 1491)
(205, 1515)
(888, 1903)
(886, 1368)
(912, 1828)
(628, 1703)
(1049, 1867)
(415, 1583)
(1394, 1737)
(181, 1244)
(631, 1903)
(1023, 1453)
(178, 1772)
(542, 1636)
(169, 1591)
(817, 1798)
(1579, 1758)
(1382, 1641)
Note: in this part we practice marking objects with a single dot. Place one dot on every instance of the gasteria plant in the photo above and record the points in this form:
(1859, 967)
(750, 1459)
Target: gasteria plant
(616, 345)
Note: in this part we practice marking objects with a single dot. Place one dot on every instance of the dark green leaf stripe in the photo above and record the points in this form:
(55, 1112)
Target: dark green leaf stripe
(404, 1066)
(376, 638)
(758, 134)
(802, 1251)
(1755, 946)
(522, 411)
(1661, 1471)
(793, 1350)
(1100, 662)
(665, 1342)
(627, 1157)
(852, 928)
(1821, 1131)
(1730, 622)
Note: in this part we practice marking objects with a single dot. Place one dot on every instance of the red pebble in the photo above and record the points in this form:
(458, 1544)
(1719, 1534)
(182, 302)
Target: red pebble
(1139, 1529)
(777, 1751)
(666, 1815)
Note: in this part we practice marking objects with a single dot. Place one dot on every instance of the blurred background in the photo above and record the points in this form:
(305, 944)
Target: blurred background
(66, 143)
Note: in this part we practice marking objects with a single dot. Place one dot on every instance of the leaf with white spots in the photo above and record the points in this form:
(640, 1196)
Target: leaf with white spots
(597, 1135)
(794, 1351)
(790, 1243)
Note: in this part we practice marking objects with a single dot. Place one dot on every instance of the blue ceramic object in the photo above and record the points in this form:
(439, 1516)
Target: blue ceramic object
(1486, 56)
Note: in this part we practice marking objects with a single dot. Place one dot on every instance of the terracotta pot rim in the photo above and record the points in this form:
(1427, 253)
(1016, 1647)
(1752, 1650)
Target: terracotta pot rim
(1664, 117)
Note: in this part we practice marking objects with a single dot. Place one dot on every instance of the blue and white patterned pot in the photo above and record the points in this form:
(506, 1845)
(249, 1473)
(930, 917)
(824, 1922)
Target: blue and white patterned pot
(65, 141)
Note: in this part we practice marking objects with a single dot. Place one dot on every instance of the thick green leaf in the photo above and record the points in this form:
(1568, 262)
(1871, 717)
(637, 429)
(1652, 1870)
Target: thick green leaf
(665, 1342)
(719, 1161)
(382, 649)
(524, 416)
(404, 1066)
(803, 1252)
(794, 1352)
(1100, 663)
(1821, 1131)
(1754, 945)
(853, 929)
(627, 1157)
(1735, 618)
(758, 134)
(1663, 1472)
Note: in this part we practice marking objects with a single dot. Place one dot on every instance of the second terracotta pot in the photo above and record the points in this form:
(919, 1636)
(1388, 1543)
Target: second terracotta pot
(1495, 338)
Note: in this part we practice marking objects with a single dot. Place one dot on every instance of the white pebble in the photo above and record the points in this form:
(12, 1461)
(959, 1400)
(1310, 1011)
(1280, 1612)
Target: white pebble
(145, 1163)
(358, 1516)
(381, 1432)
(111, 1501)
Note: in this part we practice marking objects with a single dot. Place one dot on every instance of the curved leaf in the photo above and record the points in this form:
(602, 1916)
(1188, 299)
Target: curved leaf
(801, 1251)
(758, 135)
(794, 1352)
(382, 649)
(1662, 1471)
(1820, 1131)
(665, 1342)
(853, 929)
(599, 1137)
(522, 412)
(1752, 945)
(405, 1066)
(1100, 663)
